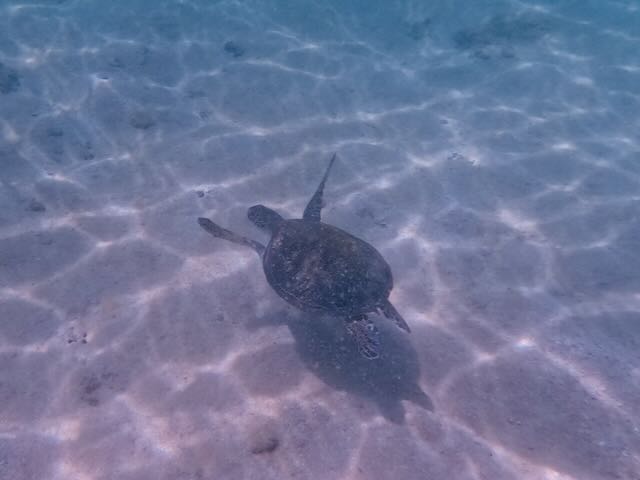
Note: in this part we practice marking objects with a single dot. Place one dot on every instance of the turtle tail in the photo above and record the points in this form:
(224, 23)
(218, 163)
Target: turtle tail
(391, 313)
(314, 207)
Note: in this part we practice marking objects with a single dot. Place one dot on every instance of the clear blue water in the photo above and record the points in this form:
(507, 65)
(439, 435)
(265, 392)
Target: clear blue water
(489, 150)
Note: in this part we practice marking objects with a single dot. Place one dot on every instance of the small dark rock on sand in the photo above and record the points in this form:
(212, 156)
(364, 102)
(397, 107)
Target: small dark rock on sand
(36, 206)
(234, 49)
(264, 443)
(141, 120)
(55, 132)
(418, 30)
(116, 62)
(9, 80)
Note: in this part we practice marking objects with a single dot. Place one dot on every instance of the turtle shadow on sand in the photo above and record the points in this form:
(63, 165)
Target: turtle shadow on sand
(334, 358)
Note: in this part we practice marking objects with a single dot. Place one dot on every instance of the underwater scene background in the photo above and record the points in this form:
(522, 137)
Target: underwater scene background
(488, 149)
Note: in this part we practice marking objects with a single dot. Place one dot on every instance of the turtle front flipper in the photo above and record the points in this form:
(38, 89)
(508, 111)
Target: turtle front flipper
(314, 207)
(219, 232)
(390, 312)
(366, 335)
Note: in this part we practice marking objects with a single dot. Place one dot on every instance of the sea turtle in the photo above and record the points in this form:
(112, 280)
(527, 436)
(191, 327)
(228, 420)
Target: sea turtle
(320, 268)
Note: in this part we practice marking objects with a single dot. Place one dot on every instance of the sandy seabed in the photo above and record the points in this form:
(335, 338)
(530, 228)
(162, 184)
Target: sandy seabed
(488, 149)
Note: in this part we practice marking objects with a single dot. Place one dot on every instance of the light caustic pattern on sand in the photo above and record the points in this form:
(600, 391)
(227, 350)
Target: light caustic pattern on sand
(490, 153)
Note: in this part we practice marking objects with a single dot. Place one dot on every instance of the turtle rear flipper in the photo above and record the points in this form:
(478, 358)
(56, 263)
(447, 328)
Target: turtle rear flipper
(366, 335)
(219, 232)
(314, 207)
(390, 312)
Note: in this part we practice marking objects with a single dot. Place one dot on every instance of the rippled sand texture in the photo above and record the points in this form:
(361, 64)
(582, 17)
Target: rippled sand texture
(490, 150)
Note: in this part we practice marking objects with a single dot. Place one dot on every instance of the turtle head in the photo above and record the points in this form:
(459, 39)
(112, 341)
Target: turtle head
(264, 217)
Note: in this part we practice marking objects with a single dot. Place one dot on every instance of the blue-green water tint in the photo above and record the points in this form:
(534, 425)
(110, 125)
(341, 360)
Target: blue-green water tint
(489, 150)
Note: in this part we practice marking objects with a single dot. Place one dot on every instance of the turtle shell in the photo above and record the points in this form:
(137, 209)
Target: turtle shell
(318, 267)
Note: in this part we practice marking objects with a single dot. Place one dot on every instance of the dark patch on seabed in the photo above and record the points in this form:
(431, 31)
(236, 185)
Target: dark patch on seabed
(501, 35)
(9, 79)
